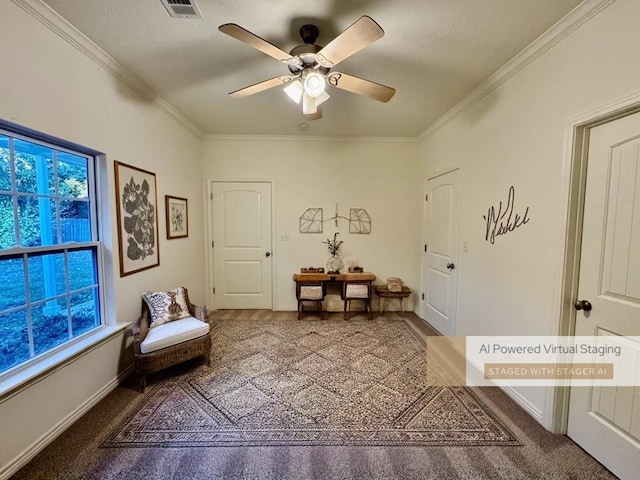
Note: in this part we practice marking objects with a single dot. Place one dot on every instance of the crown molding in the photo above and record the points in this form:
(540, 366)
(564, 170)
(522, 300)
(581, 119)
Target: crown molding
(61, 27)
(561, 29)
(307, 138)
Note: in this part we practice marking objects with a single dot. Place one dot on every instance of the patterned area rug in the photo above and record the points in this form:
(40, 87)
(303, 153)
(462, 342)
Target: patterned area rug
(310, 382)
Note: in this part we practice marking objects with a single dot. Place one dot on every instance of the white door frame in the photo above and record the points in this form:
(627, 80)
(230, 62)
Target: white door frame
(574, 175)
(210, 266)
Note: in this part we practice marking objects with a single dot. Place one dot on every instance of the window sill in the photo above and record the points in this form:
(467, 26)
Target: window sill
(12, 383)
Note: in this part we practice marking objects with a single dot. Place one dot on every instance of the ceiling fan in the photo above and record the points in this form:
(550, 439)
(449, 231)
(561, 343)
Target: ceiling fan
(310, 65)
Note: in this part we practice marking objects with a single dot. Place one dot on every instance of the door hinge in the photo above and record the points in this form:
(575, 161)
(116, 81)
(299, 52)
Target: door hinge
(214, 290)
(423, 296)
(425, 247)
(211, 196)
(212, 243)
(426, 197)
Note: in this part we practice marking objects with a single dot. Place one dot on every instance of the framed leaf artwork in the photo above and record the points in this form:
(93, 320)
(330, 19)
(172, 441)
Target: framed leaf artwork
(137, 215)
(177, 217)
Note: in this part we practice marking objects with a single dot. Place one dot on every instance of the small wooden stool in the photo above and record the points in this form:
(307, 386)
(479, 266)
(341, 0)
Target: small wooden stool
(356, 290)
(310, 292)
(383, 292)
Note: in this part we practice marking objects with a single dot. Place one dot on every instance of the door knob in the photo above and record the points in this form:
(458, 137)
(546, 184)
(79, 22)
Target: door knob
(583, 305)
(450, 266)
(267, 254)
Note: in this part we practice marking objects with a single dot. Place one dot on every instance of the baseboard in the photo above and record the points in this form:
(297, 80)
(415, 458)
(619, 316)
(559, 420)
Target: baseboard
(36, 447)
(524, 403)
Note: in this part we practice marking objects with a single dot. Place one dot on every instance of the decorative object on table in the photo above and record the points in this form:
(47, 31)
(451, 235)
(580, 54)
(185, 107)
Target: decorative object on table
(359, 221)
(311, 221)
(355, 269)
(177, 217)
(334, 264)
(137, 217)
(312, 270)
(394, 284)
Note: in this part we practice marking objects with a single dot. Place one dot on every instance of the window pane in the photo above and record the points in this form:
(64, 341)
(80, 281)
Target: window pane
(84, 308)
(45, 201)
(72, 176)
(46, 276)
(12, 293)
(82, 269)
(5, 163)
(34, 167)
(50, 325)
(14, 339)
(37, 218)
(75, 222)
(7, 223)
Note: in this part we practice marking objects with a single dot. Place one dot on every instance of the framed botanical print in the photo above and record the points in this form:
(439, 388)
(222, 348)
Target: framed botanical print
(177, 217)
(137, 215)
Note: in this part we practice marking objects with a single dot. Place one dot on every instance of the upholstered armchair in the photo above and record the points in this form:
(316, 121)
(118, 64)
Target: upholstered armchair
(170, 330)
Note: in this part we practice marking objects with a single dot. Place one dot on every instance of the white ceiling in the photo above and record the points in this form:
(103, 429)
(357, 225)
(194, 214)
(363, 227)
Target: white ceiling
(434, 53)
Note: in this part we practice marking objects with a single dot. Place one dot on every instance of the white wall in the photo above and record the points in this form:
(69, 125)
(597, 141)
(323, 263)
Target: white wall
(55, 88)
(377, 175)
(516, 135)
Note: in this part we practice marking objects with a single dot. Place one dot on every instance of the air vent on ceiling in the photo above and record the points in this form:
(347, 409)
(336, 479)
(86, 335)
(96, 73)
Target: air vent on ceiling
(182, 8)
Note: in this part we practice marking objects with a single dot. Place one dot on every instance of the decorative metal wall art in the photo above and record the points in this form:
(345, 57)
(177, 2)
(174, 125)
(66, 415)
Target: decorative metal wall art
(359, 221)
(311, 221)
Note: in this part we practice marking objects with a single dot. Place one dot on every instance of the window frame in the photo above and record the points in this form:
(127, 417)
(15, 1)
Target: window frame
(41, 362)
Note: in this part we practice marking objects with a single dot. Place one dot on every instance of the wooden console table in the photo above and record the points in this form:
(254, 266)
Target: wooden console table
(341, 278)
(334, 277)
(383, 292)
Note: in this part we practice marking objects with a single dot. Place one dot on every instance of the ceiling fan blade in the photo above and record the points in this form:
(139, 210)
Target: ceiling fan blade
(261, 86)
(352, 84)
(239, 33)
(361, 33)
(314, 116)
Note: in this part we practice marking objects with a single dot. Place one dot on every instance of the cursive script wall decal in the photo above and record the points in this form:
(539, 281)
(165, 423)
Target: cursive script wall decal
(503, 221)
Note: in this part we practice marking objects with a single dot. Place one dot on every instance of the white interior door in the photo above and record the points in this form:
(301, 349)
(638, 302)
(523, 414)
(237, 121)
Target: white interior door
(606, 421)
(439, 272)
(242, 245)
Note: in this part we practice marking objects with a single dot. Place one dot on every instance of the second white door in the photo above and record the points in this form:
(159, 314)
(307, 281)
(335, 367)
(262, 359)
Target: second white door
(242, 255)
(439, 270)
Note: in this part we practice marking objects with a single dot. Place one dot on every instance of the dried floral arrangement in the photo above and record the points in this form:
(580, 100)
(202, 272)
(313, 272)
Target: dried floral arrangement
(334, 245)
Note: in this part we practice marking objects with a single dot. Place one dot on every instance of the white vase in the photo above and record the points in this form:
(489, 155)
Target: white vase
(334, 264)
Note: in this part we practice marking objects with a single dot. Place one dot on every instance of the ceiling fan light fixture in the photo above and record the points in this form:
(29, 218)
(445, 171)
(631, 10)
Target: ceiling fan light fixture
(323, 97)
(294, 90)
(314, 84)
(309, 104)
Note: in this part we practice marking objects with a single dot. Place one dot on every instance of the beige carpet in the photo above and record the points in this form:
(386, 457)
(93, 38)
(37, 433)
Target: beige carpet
(311, 382)
(76, 454)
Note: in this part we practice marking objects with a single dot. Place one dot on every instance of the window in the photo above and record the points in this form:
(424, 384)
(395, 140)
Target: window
(49, 249)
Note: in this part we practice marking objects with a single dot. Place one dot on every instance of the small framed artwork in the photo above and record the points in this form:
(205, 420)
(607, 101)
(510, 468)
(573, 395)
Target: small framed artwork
(177, 217)
(137, 216)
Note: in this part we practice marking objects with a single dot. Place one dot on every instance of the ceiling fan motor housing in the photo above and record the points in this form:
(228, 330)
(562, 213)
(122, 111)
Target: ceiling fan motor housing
(307, 52)
(309, 33)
